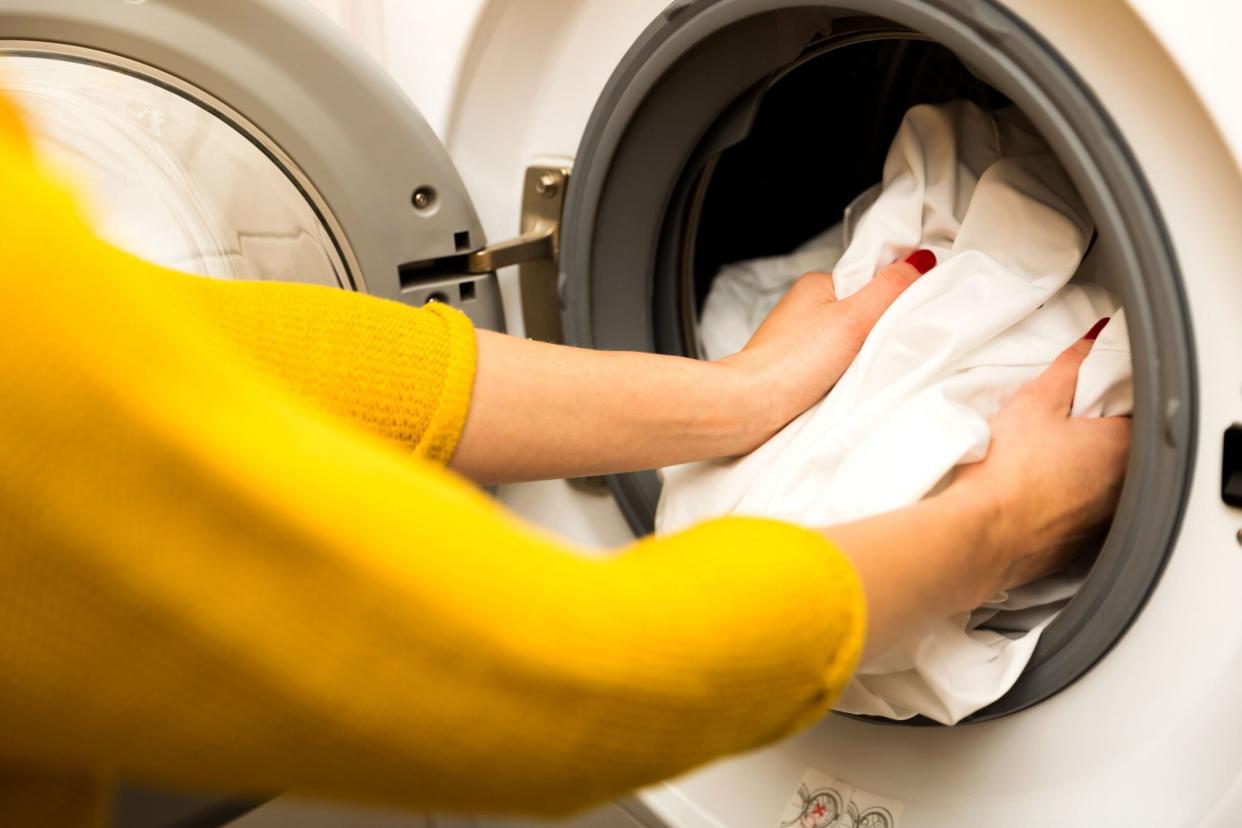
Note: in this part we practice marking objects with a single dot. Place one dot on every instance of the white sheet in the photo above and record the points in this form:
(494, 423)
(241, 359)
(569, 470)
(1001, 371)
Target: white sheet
(985, 194)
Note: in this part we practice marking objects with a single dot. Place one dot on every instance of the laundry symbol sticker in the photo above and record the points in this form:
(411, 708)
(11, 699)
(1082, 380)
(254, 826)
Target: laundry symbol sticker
(824, 802)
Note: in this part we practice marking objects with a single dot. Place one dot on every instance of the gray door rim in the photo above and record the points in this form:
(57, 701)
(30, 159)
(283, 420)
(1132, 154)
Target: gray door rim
(1006, 52)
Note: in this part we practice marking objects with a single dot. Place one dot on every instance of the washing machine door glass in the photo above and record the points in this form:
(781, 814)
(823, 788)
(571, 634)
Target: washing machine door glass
(166, 178)
(245, 139)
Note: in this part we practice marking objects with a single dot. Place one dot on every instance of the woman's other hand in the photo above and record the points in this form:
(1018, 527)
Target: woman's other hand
(1048, 483)
(810, 338)
(1054, 479)
(540, 411)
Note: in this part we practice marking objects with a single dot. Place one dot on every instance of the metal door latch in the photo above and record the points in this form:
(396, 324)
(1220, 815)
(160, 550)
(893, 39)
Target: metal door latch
(536, 252)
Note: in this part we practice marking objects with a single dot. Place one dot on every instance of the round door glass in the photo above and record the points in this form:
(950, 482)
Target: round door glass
(167, 178)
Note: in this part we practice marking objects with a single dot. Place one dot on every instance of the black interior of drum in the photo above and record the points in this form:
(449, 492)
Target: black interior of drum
(819, 139)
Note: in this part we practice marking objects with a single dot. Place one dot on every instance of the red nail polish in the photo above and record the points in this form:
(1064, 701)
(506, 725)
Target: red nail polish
(1096, 328)
(921, 260)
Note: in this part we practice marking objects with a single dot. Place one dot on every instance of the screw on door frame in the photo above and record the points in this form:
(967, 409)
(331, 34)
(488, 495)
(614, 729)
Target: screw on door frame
(548, 185)
(1239, 537)
(423, 198)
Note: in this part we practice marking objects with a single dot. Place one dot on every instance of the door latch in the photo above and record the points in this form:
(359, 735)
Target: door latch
(536, 252)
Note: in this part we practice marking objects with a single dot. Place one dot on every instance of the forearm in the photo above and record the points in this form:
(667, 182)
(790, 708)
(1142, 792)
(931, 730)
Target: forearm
(922, 562)
(547, 411)
(233, 592)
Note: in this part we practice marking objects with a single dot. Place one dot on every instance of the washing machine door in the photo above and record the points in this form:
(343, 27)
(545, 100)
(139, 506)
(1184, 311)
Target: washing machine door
(244, 139)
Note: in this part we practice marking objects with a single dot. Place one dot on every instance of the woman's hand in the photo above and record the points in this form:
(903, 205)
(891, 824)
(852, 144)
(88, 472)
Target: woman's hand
(810, 338)
(542, 411)
(1053, 479)
(1048, 483)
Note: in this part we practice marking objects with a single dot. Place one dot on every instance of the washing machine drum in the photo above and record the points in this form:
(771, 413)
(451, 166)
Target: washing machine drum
(735, 129)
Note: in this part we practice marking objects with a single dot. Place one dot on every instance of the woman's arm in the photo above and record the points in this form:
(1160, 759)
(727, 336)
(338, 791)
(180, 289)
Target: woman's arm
(546, 411)
(208, 584)
(538, 410)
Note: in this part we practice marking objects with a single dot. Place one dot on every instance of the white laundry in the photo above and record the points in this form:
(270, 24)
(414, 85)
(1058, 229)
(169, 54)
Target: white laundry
(984, 193)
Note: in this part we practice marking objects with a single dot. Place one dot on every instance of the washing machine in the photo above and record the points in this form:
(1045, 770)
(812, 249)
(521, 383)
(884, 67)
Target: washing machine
(600, 161)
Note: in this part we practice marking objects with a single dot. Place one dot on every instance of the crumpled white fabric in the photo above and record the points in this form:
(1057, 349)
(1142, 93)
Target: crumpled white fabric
(985, 194)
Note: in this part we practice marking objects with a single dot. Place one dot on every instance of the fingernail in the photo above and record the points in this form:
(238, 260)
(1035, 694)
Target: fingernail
(921, 260)
(1096, 328)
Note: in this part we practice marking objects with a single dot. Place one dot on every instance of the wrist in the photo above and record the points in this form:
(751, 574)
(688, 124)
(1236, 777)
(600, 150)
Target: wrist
(978, 515)
(751, 396)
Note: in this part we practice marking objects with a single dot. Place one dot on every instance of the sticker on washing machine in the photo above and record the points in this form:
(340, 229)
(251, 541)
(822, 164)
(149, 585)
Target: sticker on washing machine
(824, 802)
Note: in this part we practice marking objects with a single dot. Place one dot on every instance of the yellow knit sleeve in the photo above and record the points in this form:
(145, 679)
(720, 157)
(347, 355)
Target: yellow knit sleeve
(210, 578)
(400, 372)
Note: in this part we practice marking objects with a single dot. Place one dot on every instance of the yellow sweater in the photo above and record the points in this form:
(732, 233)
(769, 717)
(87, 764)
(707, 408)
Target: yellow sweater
(231, 559)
